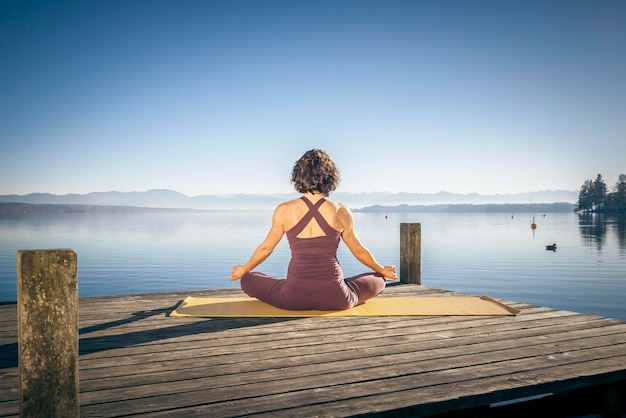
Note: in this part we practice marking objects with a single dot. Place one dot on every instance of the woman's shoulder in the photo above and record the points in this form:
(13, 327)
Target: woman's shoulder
(291, 206)
(335, 203)
(287, 204)
(293, 202)
(339, 207)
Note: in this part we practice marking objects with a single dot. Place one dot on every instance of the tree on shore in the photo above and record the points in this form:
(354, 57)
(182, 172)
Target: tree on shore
(585, 196)
(595, 197)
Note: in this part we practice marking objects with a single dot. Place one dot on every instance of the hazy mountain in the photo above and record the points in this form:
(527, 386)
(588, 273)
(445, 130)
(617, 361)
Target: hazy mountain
(358, 200)
(513, 208)
(170, 199)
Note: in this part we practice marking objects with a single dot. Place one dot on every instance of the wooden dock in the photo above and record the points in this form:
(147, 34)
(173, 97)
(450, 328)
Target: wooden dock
(136, 360)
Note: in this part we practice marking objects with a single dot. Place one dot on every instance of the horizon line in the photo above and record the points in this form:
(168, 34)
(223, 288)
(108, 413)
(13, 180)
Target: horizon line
(288, 193)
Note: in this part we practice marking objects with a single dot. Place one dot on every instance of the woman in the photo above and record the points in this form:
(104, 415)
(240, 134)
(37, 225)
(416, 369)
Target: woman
(313, 225)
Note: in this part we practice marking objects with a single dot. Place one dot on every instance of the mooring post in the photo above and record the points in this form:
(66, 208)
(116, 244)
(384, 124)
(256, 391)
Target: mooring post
(410, 253)
(47, 308)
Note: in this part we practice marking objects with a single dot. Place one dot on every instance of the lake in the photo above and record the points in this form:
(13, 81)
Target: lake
(498, 254)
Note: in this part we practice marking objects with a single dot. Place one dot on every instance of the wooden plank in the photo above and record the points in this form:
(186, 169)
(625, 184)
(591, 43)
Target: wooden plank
(329, 398)
(336, 340)
(299, 378)
(230, 344)
(247, 379)
(255, 360)
(383, 366)
(134, 359)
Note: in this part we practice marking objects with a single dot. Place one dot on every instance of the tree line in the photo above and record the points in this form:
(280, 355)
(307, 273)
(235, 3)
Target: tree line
(594, 196)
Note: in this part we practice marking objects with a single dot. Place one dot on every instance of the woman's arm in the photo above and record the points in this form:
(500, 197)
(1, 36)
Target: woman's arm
(265, 248)
(355, 246)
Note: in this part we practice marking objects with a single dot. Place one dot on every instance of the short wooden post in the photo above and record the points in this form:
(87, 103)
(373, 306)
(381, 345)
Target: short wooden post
(47, 307)
(410, 253)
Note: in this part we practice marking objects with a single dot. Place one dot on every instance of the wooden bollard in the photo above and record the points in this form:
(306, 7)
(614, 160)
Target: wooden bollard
(47, 308)
(410, 253)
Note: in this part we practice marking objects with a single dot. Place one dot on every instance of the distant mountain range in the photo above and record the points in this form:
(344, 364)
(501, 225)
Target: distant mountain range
(163, 198)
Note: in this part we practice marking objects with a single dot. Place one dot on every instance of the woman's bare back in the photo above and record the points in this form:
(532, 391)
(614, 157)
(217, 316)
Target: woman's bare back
(294, 210)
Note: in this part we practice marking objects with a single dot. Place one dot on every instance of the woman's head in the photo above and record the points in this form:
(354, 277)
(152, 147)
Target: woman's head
(315, 172)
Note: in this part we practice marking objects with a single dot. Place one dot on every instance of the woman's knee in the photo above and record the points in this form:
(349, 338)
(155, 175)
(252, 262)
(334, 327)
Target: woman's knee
(246, 284)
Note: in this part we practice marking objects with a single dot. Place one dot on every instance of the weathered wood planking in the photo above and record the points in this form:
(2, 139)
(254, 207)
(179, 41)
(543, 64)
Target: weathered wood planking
(134, 359)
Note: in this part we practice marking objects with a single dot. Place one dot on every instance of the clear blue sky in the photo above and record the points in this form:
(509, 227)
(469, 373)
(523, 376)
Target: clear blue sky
(218, 97)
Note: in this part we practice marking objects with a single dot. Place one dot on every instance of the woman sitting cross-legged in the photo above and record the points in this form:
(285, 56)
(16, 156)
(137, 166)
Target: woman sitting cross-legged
(314, 225)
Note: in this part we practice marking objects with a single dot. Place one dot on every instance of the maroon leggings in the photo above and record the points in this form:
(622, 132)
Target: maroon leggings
(325, 295)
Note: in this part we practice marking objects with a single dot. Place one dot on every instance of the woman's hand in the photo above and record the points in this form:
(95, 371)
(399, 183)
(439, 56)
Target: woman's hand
(237, 273)
(390, 272)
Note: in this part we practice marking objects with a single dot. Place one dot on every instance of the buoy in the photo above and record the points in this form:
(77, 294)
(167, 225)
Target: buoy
(533, 225)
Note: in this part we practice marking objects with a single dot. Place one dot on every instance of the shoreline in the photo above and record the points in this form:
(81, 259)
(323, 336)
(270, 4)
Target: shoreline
(11, 209)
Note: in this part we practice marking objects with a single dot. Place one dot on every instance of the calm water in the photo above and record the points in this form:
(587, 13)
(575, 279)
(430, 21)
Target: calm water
(494, 254)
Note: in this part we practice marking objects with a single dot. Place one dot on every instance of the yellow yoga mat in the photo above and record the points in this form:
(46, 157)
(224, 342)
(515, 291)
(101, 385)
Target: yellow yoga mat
(379, 306)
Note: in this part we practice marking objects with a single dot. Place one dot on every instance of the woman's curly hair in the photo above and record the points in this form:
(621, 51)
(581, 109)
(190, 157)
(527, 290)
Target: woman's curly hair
(315, 172)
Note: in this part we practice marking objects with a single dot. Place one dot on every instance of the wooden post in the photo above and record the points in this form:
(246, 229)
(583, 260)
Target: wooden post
(410, 253)
(47, 308)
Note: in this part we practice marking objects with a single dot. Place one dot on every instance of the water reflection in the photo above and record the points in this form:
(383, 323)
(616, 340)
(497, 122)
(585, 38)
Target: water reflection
(618, 224)
(592, 229)
(596, 228)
